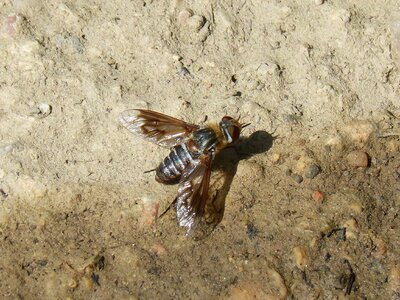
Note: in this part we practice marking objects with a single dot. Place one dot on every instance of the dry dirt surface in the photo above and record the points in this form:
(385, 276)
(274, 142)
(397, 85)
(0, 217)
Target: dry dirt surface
(305, 207)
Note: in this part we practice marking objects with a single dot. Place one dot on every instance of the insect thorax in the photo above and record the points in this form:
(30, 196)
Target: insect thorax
(206, 139)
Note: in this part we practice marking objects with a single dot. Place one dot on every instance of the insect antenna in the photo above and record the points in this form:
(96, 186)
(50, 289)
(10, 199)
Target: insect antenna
(244, 125)
(149, 171)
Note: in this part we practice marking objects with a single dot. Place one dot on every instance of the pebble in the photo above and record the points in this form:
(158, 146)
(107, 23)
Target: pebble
(318, 196)
(318, 2)
(184, 15)
(312, 171)
(296, 177)
(303, 163)
(273, 288)
(182, 71)
(88, 282)
(359, 131)
(393, 146)
(300, 257)
(158, 249)
(276, 158)
(394, 279)
(358, 159)
(72, 283)
(150, 211)
(9, 25)
(356, 207)
(334, 143)
(268, 69)
(381, 248)
(196, 22)
(44, 110)
(251, 230)
(351, 226)
(204, 32)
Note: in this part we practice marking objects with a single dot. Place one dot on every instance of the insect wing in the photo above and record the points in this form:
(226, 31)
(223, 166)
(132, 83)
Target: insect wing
(156, 127)
(193, 192)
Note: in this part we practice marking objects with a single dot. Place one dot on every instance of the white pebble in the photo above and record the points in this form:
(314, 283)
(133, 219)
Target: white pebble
(196, 22)
(267, 69)
(42, 110)
(184, 15)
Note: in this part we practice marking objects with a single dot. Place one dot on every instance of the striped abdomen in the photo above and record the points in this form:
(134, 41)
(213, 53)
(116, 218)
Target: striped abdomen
(170, 169)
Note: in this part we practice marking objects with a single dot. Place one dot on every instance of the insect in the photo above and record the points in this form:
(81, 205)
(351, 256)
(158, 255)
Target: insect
(193, 149)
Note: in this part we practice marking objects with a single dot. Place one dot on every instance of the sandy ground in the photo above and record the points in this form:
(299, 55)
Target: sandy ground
(306, 206)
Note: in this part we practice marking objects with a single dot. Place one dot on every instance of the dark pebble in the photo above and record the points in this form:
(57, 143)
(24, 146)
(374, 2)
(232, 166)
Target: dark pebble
(42, 262)
(296, 177)
(313, 171)
(251, 230)
(182, 71)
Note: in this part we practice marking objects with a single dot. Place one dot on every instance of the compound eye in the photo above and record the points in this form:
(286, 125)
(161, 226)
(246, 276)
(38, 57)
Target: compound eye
(226, 118)
(234, 133)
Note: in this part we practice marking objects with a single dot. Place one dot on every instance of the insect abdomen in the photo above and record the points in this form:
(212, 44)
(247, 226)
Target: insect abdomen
(170, 169)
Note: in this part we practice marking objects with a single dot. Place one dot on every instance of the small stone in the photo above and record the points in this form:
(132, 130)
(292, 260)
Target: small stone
(182, 71)
(251, 230)
(351, 226)
(296, 177)
(150, 211)
(313, 171)
(334, 143)
(268, 69)
(356, 207)
(9, 25)
(300, 257)
(318, 196)
(394, 279)
(303, 163)
(88, 282)
(359, 132)
(158, 249)
(196, 22)
(393, 146)
(184, 15)
(176, 57)
(42, 110)
(72, 283)
(272, 288)
(275, 158)
(204, 32)
(358, 159)
(318, 2)
(381, 248)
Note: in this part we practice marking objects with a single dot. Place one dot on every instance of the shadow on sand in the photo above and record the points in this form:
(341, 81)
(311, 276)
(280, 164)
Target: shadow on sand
(224, 170)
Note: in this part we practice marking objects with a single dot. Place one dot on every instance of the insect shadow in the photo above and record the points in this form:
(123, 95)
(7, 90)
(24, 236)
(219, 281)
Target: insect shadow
(225, 167)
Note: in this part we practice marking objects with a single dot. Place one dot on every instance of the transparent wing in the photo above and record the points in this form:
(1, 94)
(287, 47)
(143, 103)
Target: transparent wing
(158, 128)
(193, 192)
